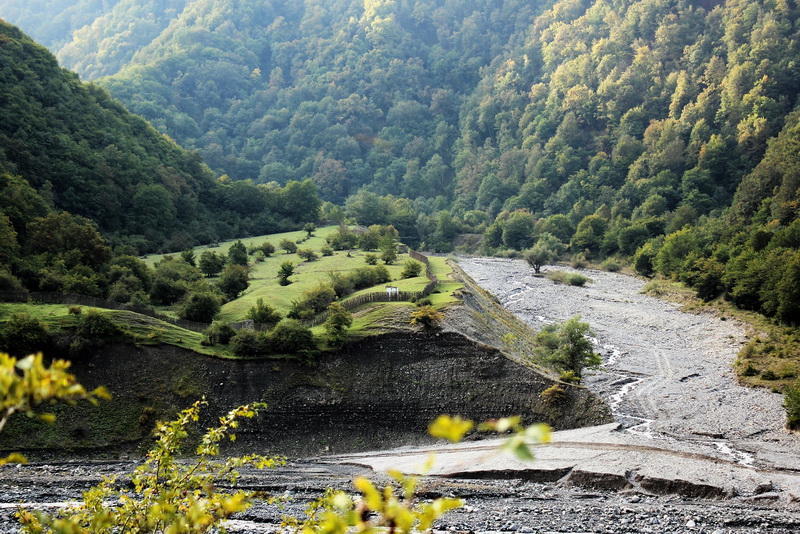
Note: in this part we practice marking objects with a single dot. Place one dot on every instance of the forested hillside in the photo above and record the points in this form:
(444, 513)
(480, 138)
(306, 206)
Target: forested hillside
(641, 110)
(51, 22)
(608, 124)
(65, 145)
(345, 92)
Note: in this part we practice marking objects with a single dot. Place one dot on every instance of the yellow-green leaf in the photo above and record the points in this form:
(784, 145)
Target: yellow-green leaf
(450, 428)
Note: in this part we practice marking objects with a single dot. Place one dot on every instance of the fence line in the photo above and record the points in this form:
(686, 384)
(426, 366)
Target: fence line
(50, 297)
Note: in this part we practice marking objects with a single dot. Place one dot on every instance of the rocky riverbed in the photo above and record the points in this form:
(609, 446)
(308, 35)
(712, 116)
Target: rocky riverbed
(691, 450)
(492, 506)
(666, 374)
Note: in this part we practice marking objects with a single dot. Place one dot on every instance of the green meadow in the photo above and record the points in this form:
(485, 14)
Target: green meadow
(310, 274)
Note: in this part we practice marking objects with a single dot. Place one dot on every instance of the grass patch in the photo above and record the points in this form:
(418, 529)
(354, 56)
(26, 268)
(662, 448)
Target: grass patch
(570, 279)
(308, 275)
(316, 242)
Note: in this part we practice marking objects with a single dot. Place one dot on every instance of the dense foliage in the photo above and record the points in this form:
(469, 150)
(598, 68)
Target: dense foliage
(83, 153)
(345, 91)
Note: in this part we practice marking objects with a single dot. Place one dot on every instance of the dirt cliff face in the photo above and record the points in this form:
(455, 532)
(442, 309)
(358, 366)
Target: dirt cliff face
(379, 392)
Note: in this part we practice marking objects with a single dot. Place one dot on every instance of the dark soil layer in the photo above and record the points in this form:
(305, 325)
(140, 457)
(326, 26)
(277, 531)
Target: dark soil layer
(380, 392)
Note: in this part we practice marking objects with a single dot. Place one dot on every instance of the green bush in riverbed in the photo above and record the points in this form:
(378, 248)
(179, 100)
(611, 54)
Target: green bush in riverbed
(791, 402)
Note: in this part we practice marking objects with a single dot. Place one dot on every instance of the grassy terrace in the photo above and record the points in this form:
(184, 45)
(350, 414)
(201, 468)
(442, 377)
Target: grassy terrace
(264, 282)
(369, 319)
(144, 330)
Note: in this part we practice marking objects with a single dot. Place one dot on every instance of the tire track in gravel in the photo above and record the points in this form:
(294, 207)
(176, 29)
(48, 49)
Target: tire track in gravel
(666, 374)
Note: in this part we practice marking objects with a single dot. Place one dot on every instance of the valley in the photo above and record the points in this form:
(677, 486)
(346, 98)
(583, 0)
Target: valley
(344, 222)
(667, 374)
(683, 454)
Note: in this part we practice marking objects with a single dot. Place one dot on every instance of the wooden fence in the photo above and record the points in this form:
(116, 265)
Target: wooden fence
(48, 297)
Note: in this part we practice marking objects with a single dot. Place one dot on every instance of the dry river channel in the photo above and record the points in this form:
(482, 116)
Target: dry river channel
(666, 373)
(683, 429)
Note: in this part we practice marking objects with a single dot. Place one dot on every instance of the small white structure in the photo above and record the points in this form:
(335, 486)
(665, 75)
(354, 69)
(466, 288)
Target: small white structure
(393, 292)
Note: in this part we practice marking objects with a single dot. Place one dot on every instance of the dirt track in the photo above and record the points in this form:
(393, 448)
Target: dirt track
(666, 374)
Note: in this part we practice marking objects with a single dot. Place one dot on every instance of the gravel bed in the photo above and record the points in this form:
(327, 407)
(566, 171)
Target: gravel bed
(667, 373)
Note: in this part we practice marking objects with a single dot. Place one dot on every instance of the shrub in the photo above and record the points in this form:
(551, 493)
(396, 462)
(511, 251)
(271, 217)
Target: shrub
(750, 370)
(248, 343)
(567, 346)
(219, 334)
(289, 246)
(165, 291)
(187, 256)
(411, 269)
(644, 258)
(575, 279)
(9, 282)
(342, 284)
(123, 288)
(427, 317)
(424, 302)
(371, 259)
(579, 261)
(263, 313)
(234, 280)
(299, 310)
(165, 494)
(318, 298)
(290, 337)
(362, 277)
(553, 394)
(791, 402)
(569, 377)
(381, 275)
(237, 254)
(572, 279)
(705, 276)
(307, 254)
(97, 326)
(267, 248)
(309, 229)
(337, 323)
(769, 374)
(326, 251)
(286, 270)
(211, 263)
(611, 265)
(23, 335)
(343, 239)
(75, 310)
(201, 307)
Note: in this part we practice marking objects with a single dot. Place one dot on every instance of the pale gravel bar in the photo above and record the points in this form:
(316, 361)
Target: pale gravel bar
(668, 373)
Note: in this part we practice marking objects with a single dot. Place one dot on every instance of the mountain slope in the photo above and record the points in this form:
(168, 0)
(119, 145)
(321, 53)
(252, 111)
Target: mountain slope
(113, 38)
(347, 94)
(86, 154)
(640, 106)
(52, 22)
(93, 157)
